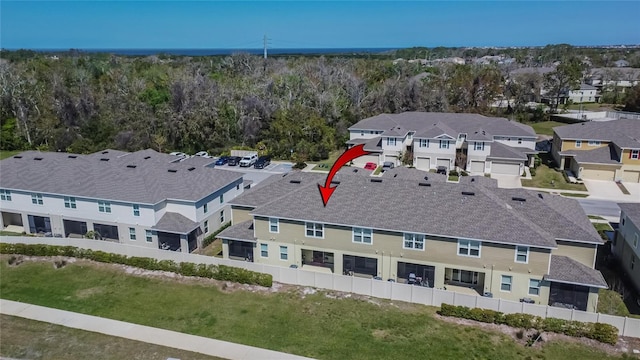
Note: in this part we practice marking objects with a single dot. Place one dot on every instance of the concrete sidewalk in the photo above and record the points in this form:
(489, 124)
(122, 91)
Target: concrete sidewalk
(142, 333)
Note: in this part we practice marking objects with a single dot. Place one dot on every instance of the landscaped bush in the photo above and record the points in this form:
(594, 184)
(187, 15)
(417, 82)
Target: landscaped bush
(218, 272)
(209, 239)
(453, 173)
(299, 165)
(532, 171)
(601, 332)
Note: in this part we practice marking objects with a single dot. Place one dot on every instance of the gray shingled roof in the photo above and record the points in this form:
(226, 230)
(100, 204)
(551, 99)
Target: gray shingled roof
(405, 173)
(624, 132)
(502, 151)
(139, 177)
(587, 87)
(601, 155)
(566, 270)
(402, 205)
(422, 123)
(532, 70)
(242, 232)
(632, 211)
(374, 145)
(616, 73)
(175, 223)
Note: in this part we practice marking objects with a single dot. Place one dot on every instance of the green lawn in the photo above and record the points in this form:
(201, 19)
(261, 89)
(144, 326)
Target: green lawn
(551, 179)
(29, 339)
(574, 195)
(545, 127)
(593, 107)
(312, 325)
(327, 164)
(5, 153)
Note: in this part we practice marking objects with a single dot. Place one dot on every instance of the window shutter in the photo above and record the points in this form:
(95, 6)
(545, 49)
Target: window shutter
(630, 153)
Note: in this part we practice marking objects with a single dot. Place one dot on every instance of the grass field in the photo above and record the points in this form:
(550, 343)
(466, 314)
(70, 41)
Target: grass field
(551, 179)
(545, 127)
(28, 339)
(5, 154)
(310, 324)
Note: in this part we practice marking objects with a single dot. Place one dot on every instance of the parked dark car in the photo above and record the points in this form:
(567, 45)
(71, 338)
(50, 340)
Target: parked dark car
(441, 170)
(222, 160)
(234, 160)
(388, 165)
(262, 162)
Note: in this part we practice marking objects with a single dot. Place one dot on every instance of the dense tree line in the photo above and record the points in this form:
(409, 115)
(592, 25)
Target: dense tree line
(80, 102)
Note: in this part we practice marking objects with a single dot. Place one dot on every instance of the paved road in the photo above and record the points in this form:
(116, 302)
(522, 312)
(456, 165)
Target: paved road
(605, 208)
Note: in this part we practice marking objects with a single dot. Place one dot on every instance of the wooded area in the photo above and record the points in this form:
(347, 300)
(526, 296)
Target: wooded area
(79, 102)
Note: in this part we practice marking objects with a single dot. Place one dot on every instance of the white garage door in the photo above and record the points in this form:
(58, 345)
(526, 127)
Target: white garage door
(423, 163)
(443, 162)
(597, 174)
(360, 161)
(631, 176)
(477, 166)
(505, 168)
(393, 159)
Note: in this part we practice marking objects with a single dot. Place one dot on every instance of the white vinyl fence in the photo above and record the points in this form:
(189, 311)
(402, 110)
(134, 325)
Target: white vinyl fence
(369, 287)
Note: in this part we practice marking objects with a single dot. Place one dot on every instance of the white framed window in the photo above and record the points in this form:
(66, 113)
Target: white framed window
(314, 230)
(136, 210)
(132, 234)
(594, 143)
(361, 132)
(534, 287)
(410, 135)
(221, 216)
(274, 225)
(148, 236)
(5, 195)
(264, 250)
(413, 241)
(206, 226)
(522, 254)
(205, 207)
(478, 145)
(104, 206)
(391, 141)
(578, 143)
(635, 154)
(519, 140)
(36, 199)
(423, 143)
(69, 202)
(362, 236)
(444, 144)
(469, 248)
(505, 283)
(284, 253)
(221, 198)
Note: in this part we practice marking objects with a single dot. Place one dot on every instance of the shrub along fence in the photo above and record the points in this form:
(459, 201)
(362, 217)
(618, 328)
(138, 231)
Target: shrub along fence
(338, 282)
(598, 331)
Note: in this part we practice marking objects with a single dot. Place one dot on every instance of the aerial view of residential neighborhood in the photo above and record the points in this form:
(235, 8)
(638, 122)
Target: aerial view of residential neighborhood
(288, 180)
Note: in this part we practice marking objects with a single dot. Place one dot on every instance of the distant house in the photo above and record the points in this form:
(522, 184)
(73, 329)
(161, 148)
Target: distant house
(584, 94)
(608, 150)
(606, 79)
(621, 63)
(473, 142)
(626, 244)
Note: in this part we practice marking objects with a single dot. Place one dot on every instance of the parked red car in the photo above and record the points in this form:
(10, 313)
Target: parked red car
(370, 166)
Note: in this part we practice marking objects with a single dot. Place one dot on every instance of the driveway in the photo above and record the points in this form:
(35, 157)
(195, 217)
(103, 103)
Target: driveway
(258, 175)
(507, 181)
(609, 190)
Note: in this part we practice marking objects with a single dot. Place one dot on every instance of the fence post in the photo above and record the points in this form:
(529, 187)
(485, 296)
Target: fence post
(546, 312)
(573, 311)
(476, 303)
(624, 326)
(454, 298)
(598, 317)
(499, 304)
(433, 295)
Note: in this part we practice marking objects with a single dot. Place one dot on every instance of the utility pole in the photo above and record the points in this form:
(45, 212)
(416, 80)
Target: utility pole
(265, 42)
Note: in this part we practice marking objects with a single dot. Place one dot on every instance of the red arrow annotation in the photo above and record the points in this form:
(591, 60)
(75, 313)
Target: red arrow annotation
(326, 191)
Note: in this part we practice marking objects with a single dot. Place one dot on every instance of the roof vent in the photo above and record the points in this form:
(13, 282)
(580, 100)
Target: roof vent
(540, 196)
(395, 175)
(104, 152)
(426, 178)
(473, 179)
(337, 182)
(191, 168)
(147, 157)
(376, 180)
(17, 157)
(172, 170)
(37, 158)
(424, 184)
(518, 199)
(294, 181)
(131, 166)
(470, 193)
(285, 174)
(355, 170)
(104, 159)
(72, 156)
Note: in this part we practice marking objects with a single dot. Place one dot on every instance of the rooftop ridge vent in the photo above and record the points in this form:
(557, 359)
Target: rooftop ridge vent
(104, 159)
(172, 170)
(376, 180)
(469, 193)
(337, 182)
(515, 198)
(104, 152)
(191, 168)
(424, 184)
(147, 157)
(131, 166)
(72, 156)
(294, 181)
(37, 158)
(17, 157)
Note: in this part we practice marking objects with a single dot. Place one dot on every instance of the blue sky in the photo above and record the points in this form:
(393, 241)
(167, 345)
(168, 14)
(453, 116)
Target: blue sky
(314, 24)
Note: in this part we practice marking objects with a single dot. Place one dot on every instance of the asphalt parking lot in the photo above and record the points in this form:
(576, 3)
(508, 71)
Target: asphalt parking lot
(258, 175)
